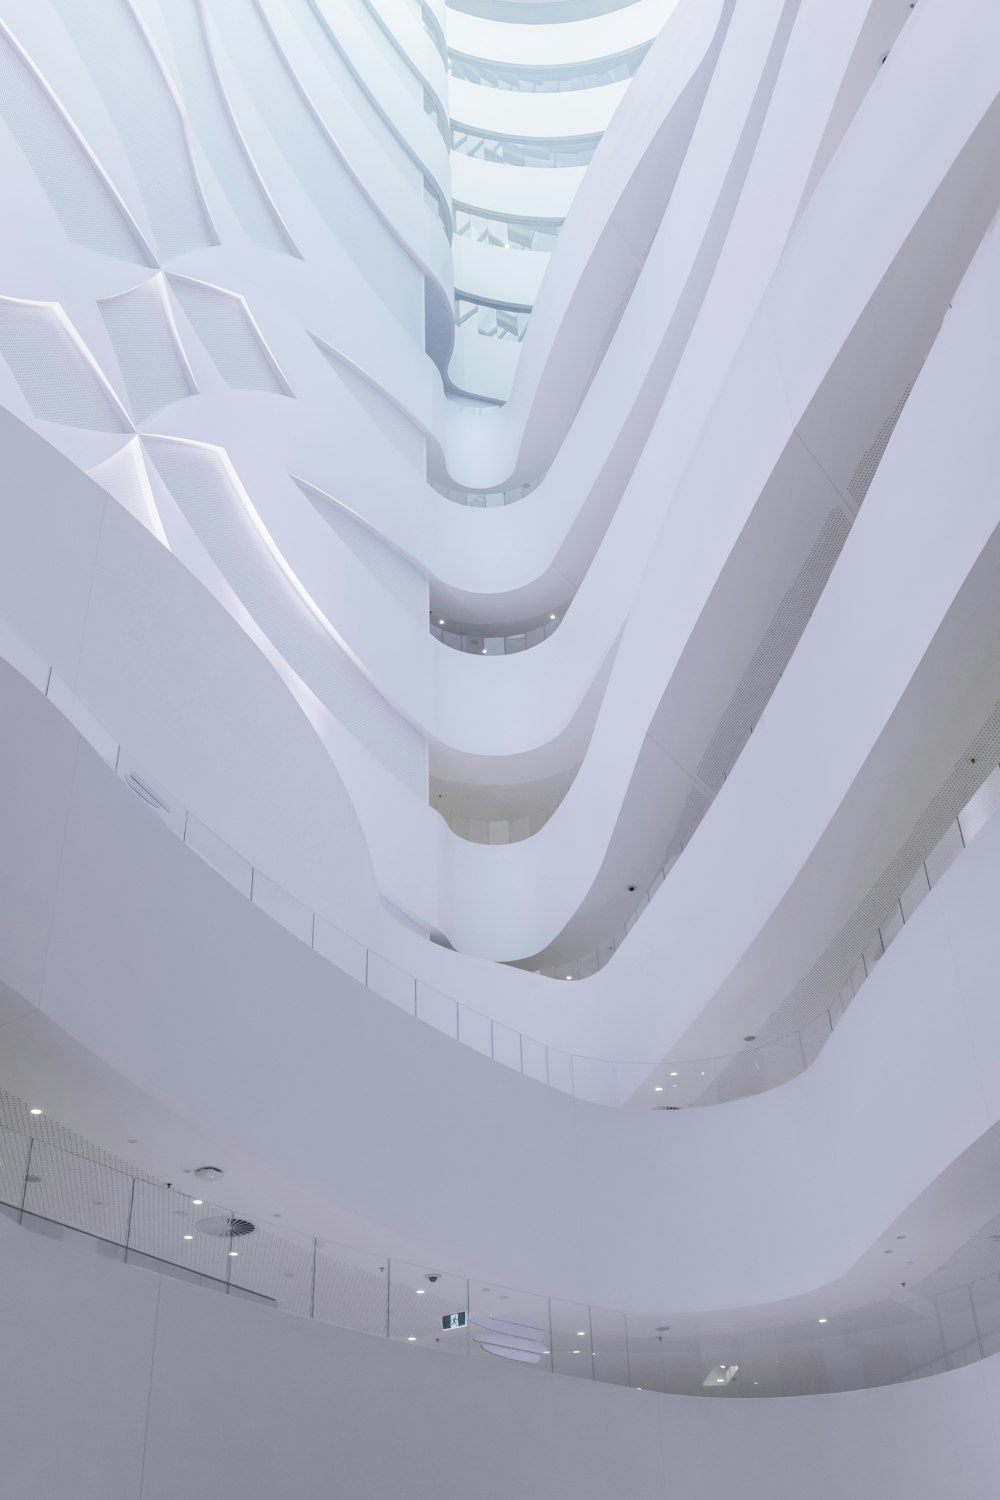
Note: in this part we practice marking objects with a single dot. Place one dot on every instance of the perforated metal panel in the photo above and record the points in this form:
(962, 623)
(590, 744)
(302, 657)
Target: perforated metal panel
(223, 322)
(148, 120)
(58, 383)
(149, 357)
(86, 206)
(204, 489)
(865, 472)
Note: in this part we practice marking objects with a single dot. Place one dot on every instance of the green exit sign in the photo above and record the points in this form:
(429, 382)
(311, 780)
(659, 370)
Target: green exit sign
(454, 1320)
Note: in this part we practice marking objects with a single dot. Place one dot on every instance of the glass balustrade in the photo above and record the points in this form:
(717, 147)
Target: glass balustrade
(523, 79)
(56, 1183)
(525, 152)
(482, 643)
(505, 233)
(764, 1063)
(492, 320)
(481, 499)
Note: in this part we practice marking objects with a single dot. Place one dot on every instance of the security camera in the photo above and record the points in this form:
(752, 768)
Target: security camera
(432, 1276)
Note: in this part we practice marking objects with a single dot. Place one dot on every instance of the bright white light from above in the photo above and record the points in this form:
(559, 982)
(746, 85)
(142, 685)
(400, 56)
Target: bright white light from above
(412, 1339)
(824, 1320)
(36, 1111)
(658, 1089)
(551, 617)
(197, 1202)
(440, 622)
(234, 1252)
(673, 1075)
(580, 1333)
(420, 1291)
(189, 1236)
(569, 976)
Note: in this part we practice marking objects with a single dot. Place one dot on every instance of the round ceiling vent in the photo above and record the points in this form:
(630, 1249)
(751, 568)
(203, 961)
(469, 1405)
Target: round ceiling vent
(208, 1174)
(221, 1227)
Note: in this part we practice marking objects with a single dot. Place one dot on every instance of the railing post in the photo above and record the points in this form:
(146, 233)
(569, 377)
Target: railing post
(388, 1290)
(128, 1226)
(312, 1290)
(24, 1185)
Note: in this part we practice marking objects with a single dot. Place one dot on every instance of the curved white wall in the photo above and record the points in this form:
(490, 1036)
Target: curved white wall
(154, 1387)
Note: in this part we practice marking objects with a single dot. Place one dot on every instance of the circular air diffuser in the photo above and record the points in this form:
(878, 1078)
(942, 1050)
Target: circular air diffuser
(221, 1227)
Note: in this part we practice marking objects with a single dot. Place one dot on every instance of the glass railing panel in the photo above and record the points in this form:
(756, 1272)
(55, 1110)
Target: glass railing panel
(79, 1193)
(351, 1288)
(892, 926)
(981, 806)
(534, 1062)
(943, 854)
(14, 1148)
(594, 1080)
(742, 1076)
(438, 1010)
(507, 1046)
(392, 983)
(560, 1070)
(475, 1030)
(167, 1225)
(572, 1345)
(781, 1060)
(986, 1311)
(422, 1300)
(814, 1038)
(958, 1327)
(610, 1346)
(914, 893)
(274, 1265)
(509, 1324)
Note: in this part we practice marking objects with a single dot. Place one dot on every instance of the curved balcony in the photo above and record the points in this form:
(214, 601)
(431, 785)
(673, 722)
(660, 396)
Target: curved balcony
(525, 79)
(53, 1178)
(510, 151)
(483, 642)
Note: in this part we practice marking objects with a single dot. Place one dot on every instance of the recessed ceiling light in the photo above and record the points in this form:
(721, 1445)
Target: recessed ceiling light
(658, 1089)
(36, 1111)
(576, 1351)
(580, 1333)
(569, 976)
(234, 1252)
(412, 1339)
(189, 1236)
(673, 1075)
(421, 1290)
(483, 652)
(551, 617)
(440, 622)
(824, 1320)
(197, 1202)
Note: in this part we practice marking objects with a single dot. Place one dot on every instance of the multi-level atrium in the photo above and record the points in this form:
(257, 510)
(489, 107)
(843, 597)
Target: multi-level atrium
(496, 497)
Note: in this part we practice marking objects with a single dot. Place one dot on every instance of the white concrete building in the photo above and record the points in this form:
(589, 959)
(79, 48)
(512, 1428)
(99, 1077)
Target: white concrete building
(499, 494)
